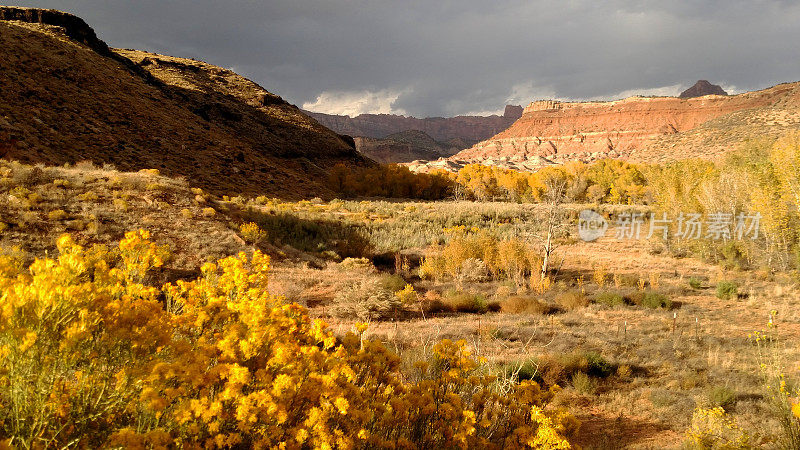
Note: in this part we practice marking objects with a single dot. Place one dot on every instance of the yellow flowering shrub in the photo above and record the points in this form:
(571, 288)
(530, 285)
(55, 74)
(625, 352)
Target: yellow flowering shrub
(780, 395)
(75, 335)
(251, 233)
(712, 428)
(91, 357)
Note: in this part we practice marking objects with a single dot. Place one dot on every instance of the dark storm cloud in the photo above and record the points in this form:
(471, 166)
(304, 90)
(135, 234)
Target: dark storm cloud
(449, 57)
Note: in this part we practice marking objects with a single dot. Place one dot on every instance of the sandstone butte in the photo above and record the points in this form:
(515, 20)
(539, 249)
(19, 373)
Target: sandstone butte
(647, 129)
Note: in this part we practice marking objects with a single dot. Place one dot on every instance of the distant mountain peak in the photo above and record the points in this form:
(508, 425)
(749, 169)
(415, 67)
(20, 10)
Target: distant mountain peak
(701, 88)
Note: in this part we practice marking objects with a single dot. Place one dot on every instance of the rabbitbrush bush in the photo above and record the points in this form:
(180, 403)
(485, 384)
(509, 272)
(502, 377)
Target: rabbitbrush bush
(91, 357)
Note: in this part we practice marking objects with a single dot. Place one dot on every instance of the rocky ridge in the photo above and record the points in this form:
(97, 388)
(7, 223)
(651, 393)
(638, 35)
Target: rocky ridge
(407, 146)
(67, 97)
(376, 133)
(648, 129)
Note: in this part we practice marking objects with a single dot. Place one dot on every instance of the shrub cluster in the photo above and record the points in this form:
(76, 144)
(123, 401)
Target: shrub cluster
(91, 357)
(390, 181)
(473, 256)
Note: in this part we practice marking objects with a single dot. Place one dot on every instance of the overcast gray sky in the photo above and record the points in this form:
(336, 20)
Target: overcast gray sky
(449, 57)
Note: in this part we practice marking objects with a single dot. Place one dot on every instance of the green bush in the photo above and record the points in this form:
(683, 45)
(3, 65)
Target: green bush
(727, 289)
(392, 283)
(522, 371)
(655, 300)
(721, 396)
(695, 283)
(597, 366)
(609, 299)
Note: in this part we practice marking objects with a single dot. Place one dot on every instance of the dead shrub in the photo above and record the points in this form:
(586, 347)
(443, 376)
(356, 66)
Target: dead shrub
(367, 299)
(572, 300)
(467, 302)
(525, 305)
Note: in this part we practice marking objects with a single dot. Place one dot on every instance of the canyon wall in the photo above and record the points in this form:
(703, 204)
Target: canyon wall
(468, 128)
(550, 131)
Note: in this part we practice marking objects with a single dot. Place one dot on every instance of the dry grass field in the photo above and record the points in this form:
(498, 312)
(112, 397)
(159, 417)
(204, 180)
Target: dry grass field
(636, 337)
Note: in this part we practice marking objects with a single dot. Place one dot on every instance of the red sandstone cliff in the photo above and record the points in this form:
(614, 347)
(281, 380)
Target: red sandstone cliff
(639, 128)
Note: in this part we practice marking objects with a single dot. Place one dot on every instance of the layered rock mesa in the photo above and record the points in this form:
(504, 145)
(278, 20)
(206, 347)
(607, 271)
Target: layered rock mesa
(638, 128)
(67, 97)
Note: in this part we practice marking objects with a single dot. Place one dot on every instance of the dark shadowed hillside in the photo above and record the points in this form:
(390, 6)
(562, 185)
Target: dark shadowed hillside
(67, 97)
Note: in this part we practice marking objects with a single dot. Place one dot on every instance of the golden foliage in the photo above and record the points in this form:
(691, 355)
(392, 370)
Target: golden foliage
(713, 429)
(251, 233)
(509, 259)
(91, 357)
(391, 181)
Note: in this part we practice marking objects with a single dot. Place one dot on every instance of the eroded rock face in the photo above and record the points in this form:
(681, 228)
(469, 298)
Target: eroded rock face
(550, 131)
(701, 88)
(407, 146)
(468, 128)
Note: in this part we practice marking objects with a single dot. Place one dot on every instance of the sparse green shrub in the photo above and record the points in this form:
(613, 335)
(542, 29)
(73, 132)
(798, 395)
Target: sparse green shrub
(655, 300)
(721, 396)
(560, 368)
(733, 256)
(626, 279)
(695, 283)
(597, 366)
(392, 283)
(727, 289)
(609, 299)
(521, 371)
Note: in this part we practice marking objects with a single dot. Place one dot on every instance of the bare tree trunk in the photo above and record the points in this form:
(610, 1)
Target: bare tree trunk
(548, 248)
(556, 190)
